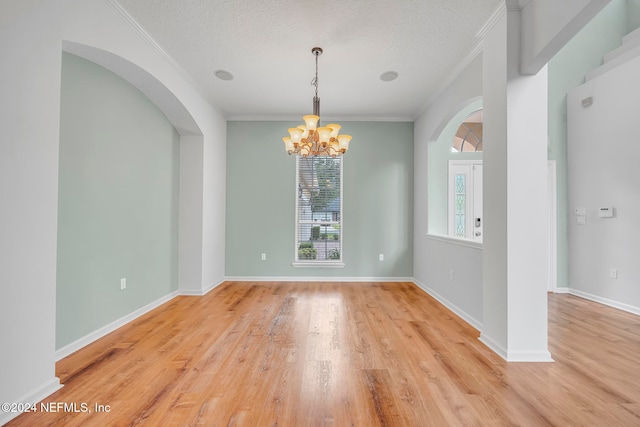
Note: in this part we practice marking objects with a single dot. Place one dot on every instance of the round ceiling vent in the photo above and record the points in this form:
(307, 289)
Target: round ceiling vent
(223, 75)
(389, 76)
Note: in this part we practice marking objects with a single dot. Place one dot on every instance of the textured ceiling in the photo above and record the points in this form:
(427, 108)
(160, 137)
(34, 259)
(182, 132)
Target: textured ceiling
(266, 45)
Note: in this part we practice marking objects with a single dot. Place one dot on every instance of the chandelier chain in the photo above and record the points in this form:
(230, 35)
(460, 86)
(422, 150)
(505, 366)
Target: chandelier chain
(314, 81)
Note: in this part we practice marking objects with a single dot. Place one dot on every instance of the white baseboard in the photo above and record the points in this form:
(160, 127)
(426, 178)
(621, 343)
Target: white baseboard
(199, 293)
(605, 301)
(529, 356)
(315, 279)
(562, 290)
(493, 345)
(515, 356)
(457, 310)
(32, 397)
(99, 333)
(190, 293)
(509, 356)
(212, 286)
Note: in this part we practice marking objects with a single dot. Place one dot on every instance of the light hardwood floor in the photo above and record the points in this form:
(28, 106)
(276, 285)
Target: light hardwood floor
(346, 354)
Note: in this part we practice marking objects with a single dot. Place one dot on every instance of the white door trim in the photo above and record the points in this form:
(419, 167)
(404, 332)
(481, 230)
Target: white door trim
(553, 226)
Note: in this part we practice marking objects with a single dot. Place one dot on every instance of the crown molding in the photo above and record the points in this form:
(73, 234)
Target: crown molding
(462, 65)
(124, 14)
(493, 19)
(120, 10)
(327, 118)
(498, 13)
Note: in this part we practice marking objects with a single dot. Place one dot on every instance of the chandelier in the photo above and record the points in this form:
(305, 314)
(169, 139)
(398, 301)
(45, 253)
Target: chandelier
(311, 139)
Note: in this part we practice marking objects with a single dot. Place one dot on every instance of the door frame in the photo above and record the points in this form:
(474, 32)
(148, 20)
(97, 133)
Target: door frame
(552, 189)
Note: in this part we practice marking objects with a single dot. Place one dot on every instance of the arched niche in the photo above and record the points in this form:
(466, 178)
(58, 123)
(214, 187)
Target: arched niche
(155, 90)
(191, 203)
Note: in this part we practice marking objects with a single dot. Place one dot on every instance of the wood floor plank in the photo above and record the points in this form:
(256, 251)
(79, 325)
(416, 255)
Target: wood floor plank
(345, 354)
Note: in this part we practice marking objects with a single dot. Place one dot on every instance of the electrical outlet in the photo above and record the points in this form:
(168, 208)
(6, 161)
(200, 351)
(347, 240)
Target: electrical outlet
(613, 273)
(381, 257)
(263, 257)
(123, 283)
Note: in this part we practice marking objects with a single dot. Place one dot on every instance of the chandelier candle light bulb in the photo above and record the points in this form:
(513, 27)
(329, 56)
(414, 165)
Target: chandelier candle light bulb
(311, 138)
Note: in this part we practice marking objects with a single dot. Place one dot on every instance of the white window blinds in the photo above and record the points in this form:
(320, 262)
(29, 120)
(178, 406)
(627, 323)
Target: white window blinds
(319, 210)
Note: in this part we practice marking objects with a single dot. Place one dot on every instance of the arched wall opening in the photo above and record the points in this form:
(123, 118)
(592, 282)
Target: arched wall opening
(439, 155)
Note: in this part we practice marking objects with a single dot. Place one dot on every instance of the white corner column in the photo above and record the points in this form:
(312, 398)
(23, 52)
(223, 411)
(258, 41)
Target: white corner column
(190, 215)
(515, 254)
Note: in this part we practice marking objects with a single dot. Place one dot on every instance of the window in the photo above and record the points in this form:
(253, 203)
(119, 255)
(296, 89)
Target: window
(458, 138)
(465, 199)
(468, 137)
(465, 181)
(318, 211)
(460, 204)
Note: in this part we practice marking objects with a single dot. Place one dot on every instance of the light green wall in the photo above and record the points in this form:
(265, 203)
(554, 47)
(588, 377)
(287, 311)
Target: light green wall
(378, 201)
(117, 203)
(567, 70)
(439, 155)
(633, 15)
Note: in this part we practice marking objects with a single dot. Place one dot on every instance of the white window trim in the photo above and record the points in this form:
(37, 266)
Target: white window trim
(320, 263)
(317, 264)
(455, 240)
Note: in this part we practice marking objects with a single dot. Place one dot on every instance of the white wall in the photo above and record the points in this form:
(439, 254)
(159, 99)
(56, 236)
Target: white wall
(494, 185)
(547, 25)
(434, 258)
(31, 39)
(514, 261)
(567, 70)
(603, 151)
(28, 190)
(515, 257)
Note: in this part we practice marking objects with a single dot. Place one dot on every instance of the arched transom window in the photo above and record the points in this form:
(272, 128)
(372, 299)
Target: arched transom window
(468, 137)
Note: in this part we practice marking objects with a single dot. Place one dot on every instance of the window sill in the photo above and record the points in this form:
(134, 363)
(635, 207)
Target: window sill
(301, 264)
(455, 241)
